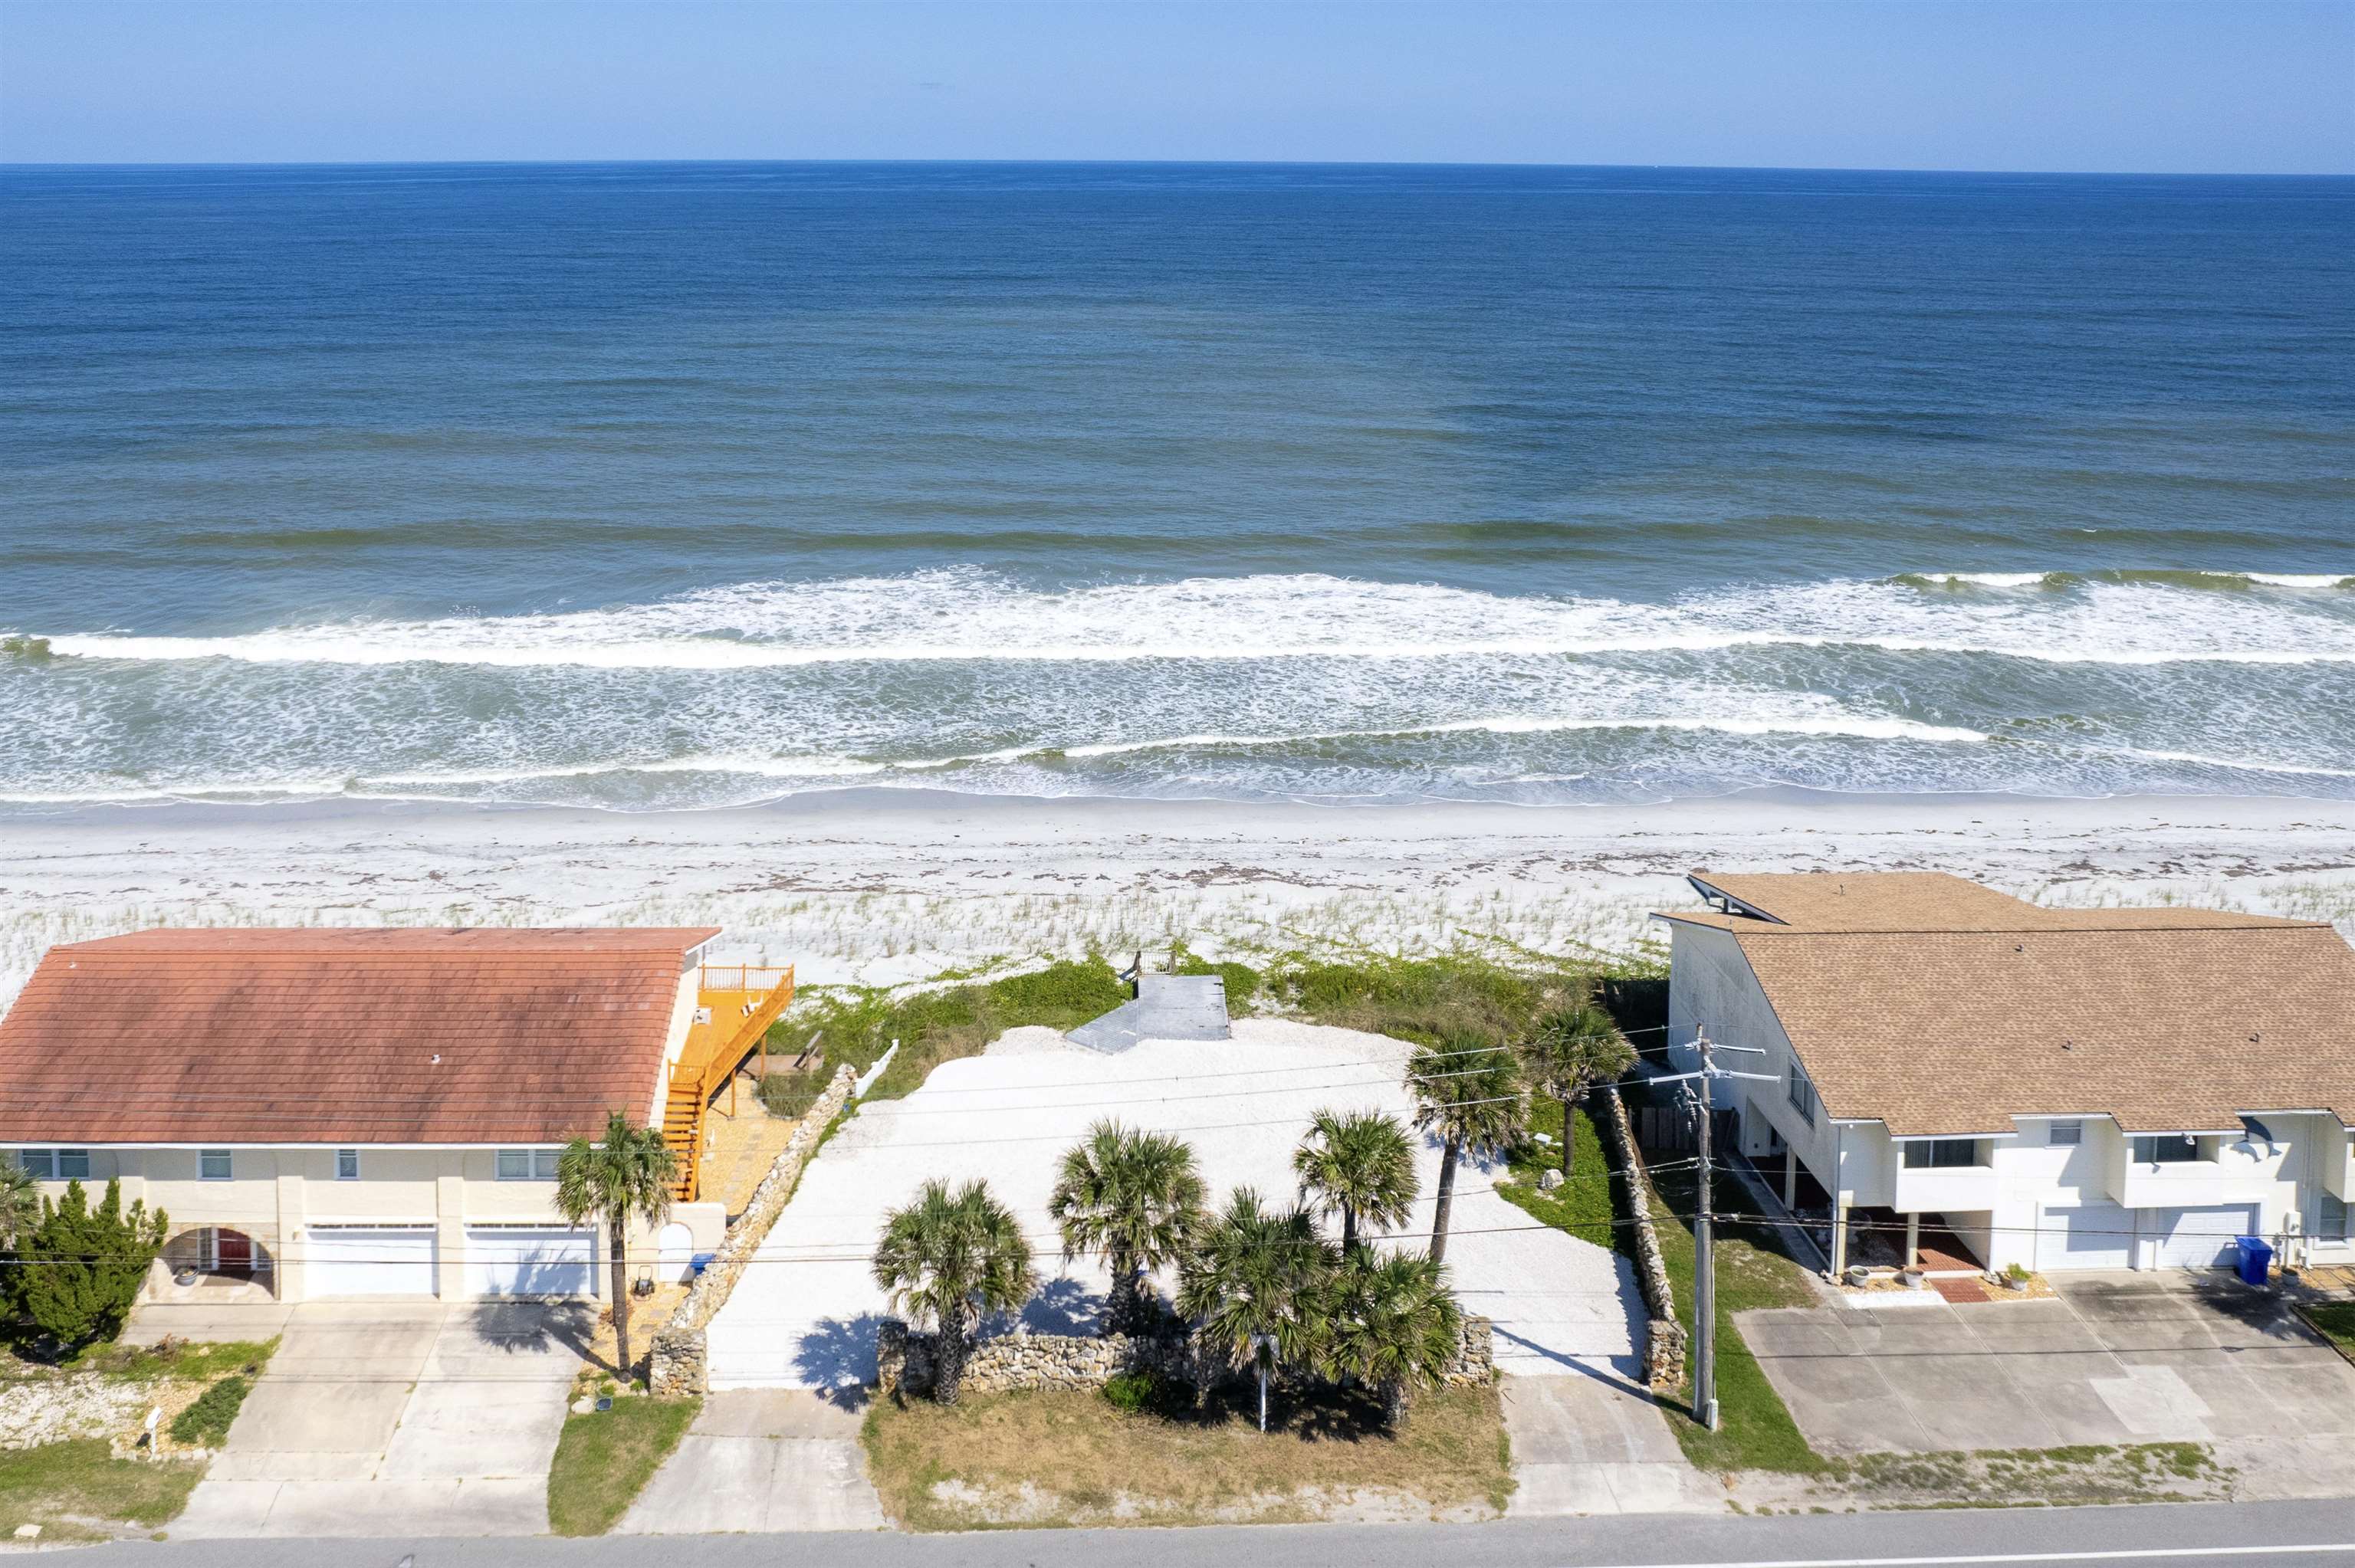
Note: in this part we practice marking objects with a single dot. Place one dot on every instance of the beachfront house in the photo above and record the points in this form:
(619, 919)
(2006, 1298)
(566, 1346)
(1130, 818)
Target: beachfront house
(375, 1112)
(1963, 1081)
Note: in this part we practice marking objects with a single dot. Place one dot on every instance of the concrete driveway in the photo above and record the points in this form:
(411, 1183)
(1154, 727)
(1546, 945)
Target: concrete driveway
(763, 1460)
(393, 1417)
(2114, 1358)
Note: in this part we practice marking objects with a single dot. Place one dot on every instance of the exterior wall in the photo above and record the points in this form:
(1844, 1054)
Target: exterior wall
(1710, 986)
(682, 1023)
(274, 1193)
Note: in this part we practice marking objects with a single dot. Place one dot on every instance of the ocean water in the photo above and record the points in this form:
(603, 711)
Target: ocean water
(646, 486)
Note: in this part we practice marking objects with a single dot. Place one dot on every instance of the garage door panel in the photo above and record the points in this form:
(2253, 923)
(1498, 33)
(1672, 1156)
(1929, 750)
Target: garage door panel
(2090, 1236)
(2198, 1238)
(368, 1260)
(504, 1260)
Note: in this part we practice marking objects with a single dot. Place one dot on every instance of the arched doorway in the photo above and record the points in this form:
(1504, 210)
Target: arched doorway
(219, 1258)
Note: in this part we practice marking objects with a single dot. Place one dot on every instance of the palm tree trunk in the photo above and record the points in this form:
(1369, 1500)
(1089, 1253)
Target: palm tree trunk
(1348, 1227)
(948, 1362)
(1446, 1203)
(618, 1244)
(1569, 1135)
(1120, 1312)
(1394, 1394)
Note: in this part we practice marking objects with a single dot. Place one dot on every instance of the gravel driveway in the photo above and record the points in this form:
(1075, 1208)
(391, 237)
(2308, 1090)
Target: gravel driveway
(804, 1313)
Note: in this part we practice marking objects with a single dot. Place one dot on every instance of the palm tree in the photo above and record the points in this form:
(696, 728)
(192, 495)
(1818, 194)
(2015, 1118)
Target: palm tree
(1254, 1282)
(1361, 1166)
(1136, 1198)
(1571, 1051)
(20, 1202)
(627, 1175)
(1390, 1322)
(950, 1258)
(1469, 1097)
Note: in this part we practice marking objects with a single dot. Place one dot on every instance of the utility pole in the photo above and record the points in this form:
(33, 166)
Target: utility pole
(1704, 1256)
(1697, 1084)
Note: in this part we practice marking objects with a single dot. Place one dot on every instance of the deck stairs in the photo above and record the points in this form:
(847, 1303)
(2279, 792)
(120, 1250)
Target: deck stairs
(735, 1004)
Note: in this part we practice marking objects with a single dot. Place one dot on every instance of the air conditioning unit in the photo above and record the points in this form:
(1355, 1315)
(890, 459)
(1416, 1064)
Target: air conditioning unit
(703, 1015)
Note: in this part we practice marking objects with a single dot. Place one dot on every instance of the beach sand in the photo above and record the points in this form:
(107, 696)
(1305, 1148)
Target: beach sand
(881, 887)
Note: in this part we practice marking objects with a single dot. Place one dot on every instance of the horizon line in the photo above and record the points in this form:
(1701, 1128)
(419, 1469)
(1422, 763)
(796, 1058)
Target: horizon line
(485, 162)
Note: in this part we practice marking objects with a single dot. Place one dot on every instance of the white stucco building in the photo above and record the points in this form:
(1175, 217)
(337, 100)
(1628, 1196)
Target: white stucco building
(374, 1112)
(1968, 1081)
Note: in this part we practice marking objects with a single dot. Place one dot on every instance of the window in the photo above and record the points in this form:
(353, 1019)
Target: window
(2329, 1219)
(527, 1164)
(2166, 1149)
(1801, 1093)
(2065, 1134)
(1941, 1153)
(348, 1164)
(214, 1165)
(56, 1164)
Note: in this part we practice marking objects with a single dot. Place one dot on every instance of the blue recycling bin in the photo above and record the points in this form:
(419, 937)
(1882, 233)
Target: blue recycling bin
(2256, 1257)
(702, 1260)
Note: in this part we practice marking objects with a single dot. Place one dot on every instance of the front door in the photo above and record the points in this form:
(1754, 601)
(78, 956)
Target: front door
(233, 1254)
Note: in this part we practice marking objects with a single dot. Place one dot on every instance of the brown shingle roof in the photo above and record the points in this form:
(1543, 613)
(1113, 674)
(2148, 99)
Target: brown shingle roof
(1939, 1017)
(331, 1035)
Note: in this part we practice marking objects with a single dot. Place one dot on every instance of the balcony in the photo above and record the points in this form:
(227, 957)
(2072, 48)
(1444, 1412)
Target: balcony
(2224, 1174)
(1961, 1189)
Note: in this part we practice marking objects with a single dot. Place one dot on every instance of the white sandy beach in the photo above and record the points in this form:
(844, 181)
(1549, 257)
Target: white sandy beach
(883, 886)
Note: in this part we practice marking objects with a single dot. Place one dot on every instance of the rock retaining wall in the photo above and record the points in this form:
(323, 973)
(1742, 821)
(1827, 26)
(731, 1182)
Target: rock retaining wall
(1005, 1362)
(680, 1361)
(1663, 1335)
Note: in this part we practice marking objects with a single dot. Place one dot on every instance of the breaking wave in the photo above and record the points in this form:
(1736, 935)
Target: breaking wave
(953, 616)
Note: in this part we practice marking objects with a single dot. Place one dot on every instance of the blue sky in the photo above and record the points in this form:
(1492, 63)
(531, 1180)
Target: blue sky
(2164, 85)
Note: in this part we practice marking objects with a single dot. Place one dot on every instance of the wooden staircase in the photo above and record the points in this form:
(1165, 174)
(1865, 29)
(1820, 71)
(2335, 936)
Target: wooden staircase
(735, 1004)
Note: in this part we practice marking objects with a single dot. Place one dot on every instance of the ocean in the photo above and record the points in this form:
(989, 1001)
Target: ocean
(646, 486)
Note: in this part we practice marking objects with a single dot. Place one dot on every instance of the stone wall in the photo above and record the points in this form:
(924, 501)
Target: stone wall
(1663, 1335)
(1021, 1360)
(680, 1364)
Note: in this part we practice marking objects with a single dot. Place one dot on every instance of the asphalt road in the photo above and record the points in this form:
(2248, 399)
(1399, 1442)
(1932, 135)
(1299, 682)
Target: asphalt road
(2278, 1535)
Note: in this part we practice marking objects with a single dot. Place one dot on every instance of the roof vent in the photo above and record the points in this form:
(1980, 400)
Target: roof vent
(437, 1059)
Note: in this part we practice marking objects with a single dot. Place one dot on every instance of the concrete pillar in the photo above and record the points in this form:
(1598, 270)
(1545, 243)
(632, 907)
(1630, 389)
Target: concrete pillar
(1791, 1177)
(292, 1206)
(450, 1236)
(1840, 1238)
(1913, 1239)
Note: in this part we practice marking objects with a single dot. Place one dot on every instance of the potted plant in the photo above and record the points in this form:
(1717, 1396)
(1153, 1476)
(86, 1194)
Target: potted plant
(2016, 1276)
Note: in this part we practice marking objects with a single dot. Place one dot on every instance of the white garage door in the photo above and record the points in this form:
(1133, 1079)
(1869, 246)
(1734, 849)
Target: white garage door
(514, 1260)
(2093, 1235)
(2198, 1238)
(368, 1260)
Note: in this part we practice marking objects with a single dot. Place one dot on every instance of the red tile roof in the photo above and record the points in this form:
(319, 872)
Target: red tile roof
(341, 1035)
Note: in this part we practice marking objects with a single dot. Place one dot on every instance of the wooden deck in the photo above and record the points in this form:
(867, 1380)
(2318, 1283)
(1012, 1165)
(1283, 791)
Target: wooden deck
(735, 1004)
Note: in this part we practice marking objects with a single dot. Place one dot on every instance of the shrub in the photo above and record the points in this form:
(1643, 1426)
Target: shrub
(79, 1269)
(206, 1422)
(1150, 1392)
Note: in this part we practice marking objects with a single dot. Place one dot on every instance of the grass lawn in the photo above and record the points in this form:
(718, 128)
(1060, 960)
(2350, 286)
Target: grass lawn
(58, 1485)
(1088, 1463)
(932, 1026)
(2333, 1320)
(189, 1360)
(1755, 1432)
(1582, 1204)
(605, 1460)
